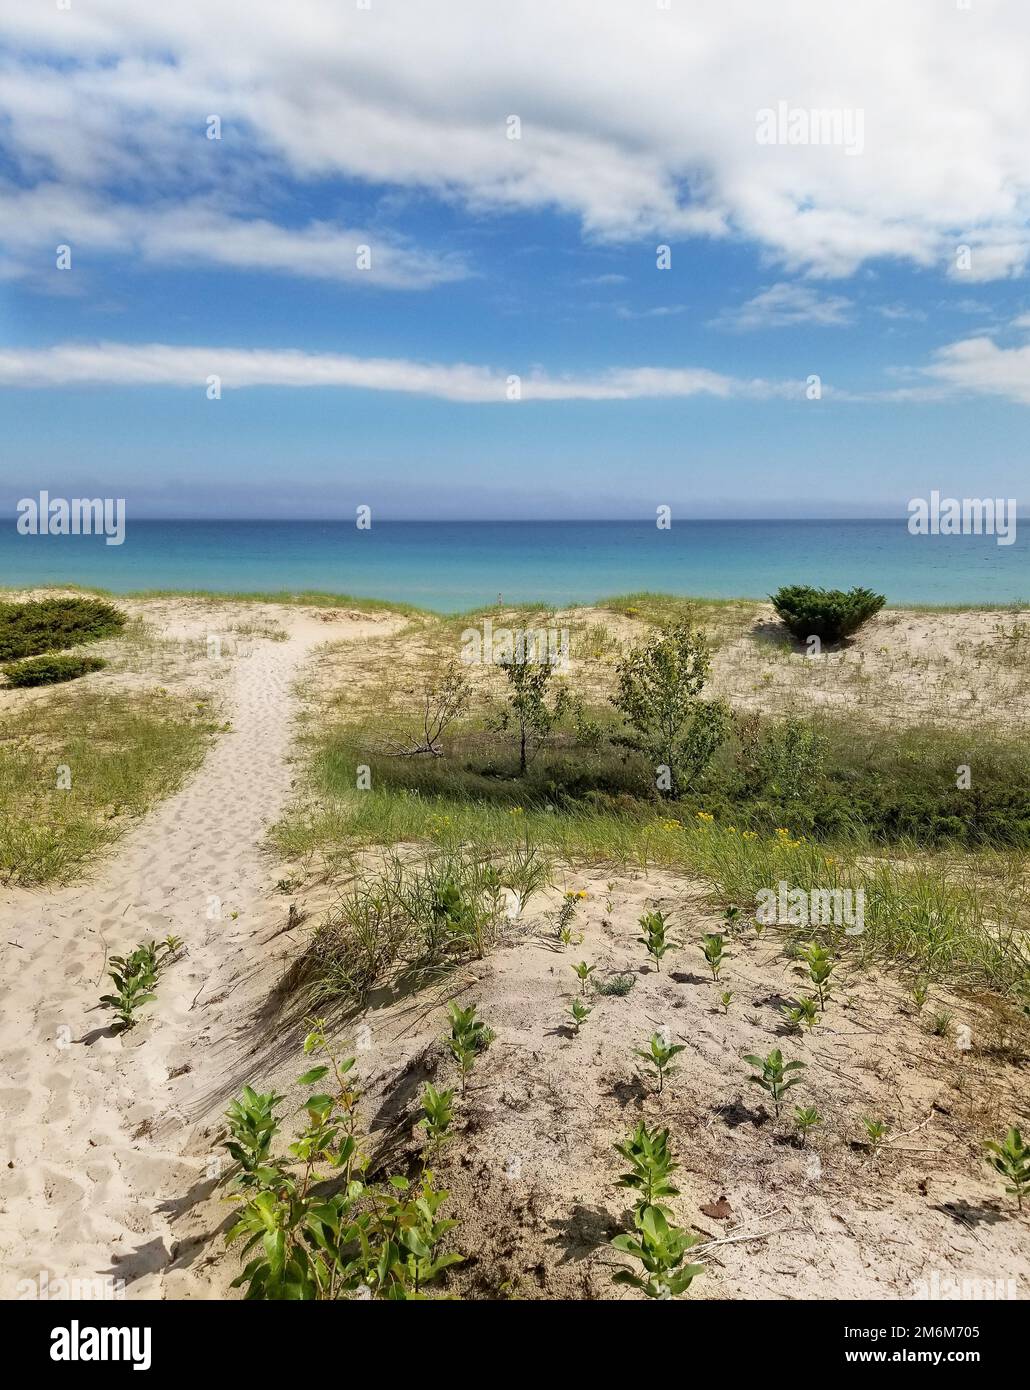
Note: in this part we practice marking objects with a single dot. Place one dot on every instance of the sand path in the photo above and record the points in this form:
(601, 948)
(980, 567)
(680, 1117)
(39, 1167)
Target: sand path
(98, 1152)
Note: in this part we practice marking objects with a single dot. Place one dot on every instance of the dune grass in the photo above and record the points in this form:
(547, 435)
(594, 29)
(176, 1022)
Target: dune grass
(77, 766)
(958, 920)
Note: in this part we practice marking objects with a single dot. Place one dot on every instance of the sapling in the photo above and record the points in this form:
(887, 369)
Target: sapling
(712, 946)
(774, 1078)
(658, 1055)
(661, 1249)
(583, 973)
(806, 1118)
(819, 960)
(580, 1013)
(655, 936)
(920, 991)
(468, 1037)
(876, 1130)
(650, 1158)
(135, 978)
(438, 1113)
(730, 915)
(725, 999)
(1011, 1158)
(804, 1015)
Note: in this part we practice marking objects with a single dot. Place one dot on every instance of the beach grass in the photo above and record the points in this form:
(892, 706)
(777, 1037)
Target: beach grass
(77, 767)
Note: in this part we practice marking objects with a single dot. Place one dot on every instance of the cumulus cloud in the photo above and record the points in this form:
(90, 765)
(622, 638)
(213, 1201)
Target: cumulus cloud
(159, 364)
(638, 121)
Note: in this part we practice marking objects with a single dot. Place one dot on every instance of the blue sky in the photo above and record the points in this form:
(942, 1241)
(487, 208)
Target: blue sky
(492, 257)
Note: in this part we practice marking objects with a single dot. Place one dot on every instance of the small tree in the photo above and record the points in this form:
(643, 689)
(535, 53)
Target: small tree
(445, 698)
(658, 696)
(527, 710)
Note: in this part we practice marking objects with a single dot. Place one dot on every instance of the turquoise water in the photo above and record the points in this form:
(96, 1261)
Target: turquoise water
(450, 566)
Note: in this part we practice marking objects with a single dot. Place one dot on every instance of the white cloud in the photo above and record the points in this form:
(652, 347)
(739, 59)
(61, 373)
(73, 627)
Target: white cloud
(33, 221)
(638, 121)
(980, 366)
(785, 305)
(159, 364)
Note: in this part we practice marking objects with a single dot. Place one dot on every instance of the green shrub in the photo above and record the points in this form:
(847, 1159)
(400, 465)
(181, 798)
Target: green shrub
(658, 695)
(829, 614)
(50, 670)
(50, 624)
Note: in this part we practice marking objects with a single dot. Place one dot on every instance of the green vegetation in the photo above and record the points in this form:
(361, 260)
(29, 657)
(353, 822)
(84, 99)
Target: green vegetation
(135, 978)
(655, 937)
(1011, 1158)
(50, 670)
(829, 614)
(411, 917)
(317, 1245)
(658, 695)
(51, 624)
(658, 1055)
(775, 1078)
(658, 1245)
(74, 768)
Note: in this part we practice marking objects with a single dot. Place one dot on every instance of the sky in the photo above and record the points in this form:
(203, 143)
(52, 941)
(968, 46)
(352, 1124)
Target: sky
(546, 258)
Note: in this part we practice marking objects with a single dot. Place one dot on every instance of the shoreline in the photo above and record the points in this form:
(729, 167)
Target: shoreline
(320, 598)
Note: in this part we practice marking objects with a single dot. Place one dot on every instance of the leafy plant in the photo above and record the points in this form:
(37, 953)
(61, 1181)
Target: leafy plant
(725, 999)
(730, 915)
(806, 1118)
(438, 1113)
(876, 1130)
(655, 936)
(658, 1055)
(829, 614)
(775, 1078)
(1011, 1158)
(580, 1013)
(658, 695)
(804, 1015)
(713, 947)
(651, 1162)
(469, 1037)
(661, 1249)
(135, 978)
(384, 1241)
(583, 973)
(819, 960)
(920, 991)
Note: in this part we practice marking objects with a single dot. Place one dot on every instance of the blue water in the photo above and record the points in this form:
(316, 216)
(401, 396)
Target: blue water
(450, 566)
